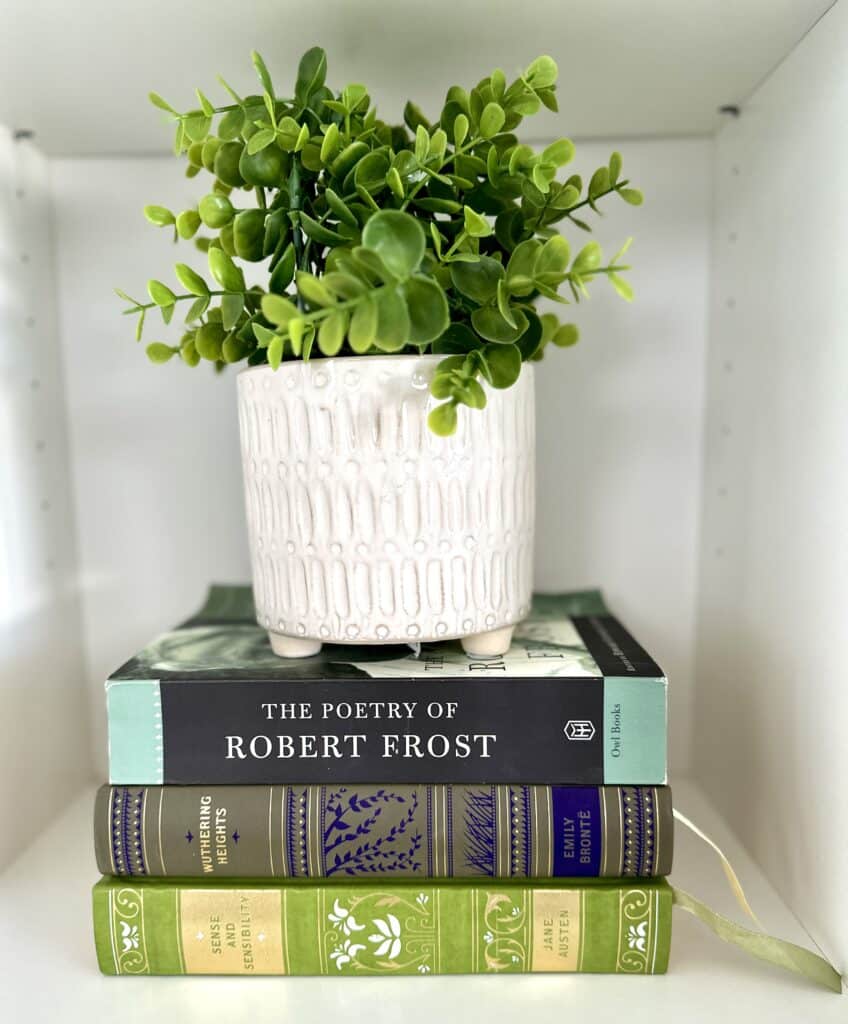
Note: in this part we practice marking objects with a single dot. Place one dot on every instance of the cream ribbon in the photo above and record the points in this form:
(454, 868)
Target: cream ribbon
(757, 943)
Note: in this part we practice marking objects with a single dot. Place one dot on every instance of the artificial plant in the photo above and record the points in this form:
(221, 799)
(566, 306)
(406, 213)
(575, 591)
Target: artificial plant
(424, 237)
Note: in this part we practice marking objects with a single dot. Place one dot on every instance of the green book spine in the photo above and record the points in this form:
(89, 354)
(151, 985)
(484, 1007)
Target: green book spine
(386, 831)
(362, 928)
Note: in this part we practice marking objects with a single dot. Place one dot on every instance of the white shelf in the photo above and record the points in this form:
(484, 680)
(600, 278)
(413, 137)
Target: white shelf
(46, 947)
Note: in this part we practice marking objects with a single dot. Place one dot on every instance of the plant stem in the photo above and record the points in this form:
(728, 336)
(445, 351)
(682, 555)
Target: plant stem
(600, 195)
(459, 151)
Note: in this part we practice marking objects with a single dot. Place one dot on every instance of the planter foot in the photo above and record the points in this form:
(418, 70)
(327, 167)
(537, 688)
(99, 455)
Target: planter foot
(293, 646)
(491, 644)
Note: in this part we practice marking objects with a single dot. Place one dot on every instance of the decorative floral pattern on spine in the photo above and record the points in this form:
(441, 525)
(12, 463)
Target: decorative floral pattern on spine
(375, 832)
(156, 927)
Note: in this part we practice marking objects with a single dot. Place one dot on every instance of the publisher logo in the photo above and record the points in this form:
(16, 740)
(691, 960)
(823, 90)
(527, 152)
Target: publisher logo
(579, 729)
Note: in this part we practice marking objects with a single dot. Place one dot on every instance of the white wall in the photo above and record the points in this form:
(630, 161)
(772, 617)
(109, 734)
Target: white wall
(43, 753)
(155, 453)
(771, 705)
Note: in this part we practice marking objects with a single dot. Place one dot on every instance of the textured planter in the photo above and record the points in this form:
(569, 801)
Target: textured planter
(364, 526)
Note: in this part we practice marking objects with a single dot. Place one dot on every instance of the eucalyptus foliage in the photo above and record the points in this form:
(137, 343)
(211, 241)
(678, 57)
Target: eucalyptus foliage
(424, 237)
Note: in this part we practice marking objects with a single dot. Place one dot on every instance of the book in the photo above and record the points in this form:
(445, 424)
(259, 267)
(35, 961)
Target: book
(575, 701)
(156, 926)
(427, 831)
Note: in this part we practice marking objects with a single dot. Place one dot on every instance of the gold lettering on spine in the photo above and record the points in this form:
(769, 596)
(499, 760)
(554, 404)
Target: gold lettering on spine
(232, 931)
(557, 923)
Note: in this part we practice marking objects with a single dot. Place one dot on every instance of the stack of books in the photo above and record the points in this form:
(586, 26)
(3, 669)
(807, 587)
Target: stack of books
(386, 810)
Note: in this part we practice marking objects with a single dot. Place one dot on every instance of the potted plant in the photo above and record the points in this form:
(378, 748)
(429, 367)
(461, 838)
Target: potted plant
(386, 406)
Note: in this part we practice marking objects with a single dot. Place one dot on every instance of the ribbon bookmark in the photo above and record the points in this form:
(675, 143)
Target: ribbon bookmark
(757, 943)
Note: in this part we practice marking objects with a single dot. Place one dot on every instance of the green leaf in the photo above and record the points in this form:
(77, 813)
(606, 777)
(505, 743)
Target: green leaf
(190, 280)
(623, 287)
(189, 354)
(503, 304)
(475, 225)
(521, 269)
(341, 209)
(296, 328)
(497, 81)
(397, 238)
(428, 309)
(196, 126)
(262, 72)
(422, 143)
(225, 272)
(491, 120)
(263, 336)
(531, 340)
(157, 101)
(393, 180)
(311, 74)
(435, 234)
(432, 205)
(215, 210)
(160, 293)
(278, 309)
(363, 326)
(232, 306)
(157, 352)
(261, 140)
(633, 196)
(302, 138)
(479, 280)
(566, 336)
(346, 286)
(231, 124)
(457, 339)
(348, 158)
(442, 419)
(599, 182)
(318, 233)
(490, 324)
(197, 309)
(139, 327)
(542, 73)
(331, 333)
(414, 118)
(275, 352)
(288, 132)
(471, 394)
(503, 363)
(614, 167)
(235, 348)
(460, 130)
(209, 341)
(370, 173)
(311, 288)
(161, 216)
(205, 105)
(330, 143)
(442, 385)
(283, 274)
(559, 153)
(393, 323)
(188, 223)
(554, 257)
(621, 252)
(588, 259)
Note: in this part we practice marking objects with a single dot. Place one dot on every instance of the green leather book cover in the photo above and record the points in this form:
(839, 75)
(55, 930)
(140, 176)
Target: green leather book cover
(371, 928)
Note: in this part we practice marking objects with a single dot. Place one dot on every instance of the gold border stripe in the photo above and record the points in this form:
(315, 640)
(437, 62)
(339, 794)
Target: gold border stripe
(159, 837)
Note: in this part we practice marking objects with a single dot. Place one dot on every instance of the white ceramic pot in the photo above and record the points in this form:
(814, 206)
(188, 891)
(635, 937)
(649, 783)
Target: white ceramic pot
(365, 527)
